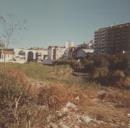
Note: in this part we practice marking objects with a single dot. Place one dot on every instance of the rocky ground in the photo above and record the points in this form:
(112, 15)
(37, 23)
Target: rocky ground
(77, 108)
(60, 106)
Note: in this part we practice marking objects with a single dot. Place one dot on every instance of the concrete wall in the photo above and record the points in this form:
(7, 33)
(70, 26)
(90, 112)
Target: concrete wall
(37, 54)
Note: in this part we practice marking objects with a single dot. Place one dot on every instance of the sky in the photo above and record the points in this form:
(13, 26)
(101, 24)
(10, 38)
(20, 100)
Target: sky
(53, 22)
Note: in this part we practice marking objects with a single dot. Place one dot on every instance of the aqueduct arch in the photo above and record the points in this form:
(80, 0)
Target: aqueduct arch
(30, 55)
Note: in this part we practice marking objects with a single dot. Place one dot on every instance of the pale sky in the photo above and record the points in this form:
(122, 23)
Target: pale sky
(52, 22)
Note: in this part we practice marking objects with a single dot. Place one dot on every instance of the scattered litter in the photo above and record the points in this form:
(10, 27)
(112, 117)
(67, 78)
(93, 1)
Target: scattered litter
(128, 114)
(71, 106)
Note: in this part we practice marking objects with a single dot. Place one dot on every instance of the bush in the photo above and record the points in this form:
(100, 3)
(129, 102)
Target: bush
(55, 97)
(105, 69)
(117, 77)
(15, 103)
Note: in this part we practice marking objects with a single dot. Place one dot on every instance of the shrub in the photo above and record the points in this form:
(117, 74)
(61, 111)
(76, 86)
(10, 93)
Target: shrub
(106, 69)
(15, 103)
(117, 77)
(55, 97)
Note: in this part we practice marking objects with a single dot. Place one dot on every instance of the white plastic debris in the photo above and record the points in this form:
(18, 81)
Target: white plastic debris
(77, 98)
(86, 119)
(128, 114)
(62, 125)
(72, 106)
(52, 125)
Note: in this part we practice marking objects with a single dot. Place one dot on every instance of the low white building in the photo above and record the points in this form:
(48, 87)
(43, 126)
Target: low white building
(6, 55)
(69, 53)
(54, 53)
(41, 54)
(25, 55)
(69, 44)
(82, 53)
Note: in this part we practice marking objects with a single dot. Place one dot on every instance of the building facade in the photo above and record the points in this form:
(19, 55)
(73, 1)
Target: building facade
(6, 55)
(27, 55)
(113, 39)
(54, 53)
(82, 53)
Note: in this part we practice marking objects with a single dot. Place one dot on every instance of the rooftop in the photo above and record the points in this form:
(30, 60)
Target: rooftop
(114, 26)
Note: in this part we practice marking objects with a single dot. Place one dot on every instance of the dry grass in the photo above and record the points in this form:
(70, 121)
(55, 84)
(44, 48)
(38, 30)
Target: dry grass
(58, 73)
(57, 96)
(120, 98)
(111, 107)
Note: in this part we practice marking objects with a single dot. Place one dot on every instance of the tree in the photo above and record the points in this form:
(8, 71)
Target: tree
(9, 28)
(2, 45)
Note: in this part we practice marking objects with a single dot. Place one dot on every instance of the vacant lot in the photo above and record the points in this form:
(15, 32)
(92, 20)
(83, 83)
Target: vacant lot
(57, 74)
(91, 107)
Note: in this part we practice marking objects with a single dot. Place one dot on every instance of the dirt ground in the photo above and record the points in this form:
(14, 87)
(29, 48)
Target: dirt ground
(74, 107)
(62, 106)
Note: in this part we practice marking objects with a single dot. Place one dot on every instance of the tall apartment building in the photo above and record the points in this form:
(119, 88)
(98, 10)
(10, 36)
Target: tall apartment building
(113, 39)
